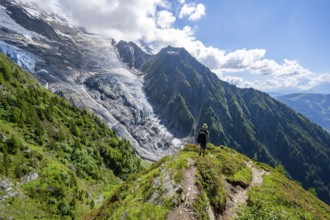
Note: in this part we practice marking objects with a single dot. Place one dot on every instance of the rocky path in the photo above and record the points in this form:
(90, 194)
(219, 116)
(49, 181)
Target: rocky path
(238, 195)
(185, 211)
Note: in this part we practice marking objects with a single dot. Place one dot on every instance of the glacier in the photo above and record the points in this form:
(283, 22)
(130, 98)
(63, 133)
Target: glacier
(23, 58)
(85, 69)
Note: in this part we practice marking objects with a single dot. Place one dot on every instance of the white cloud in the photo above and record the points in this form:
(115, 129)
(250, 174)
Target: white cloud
(154, 21)
(241, 59)
(127, 20)
(253, 64)
(193, 11)
(47, 5)
(165, 19)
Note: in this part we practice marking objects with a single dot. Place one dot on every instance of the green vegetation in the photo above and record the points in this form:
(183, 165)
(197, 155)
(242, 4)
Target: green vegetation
(279, 198)
(185, 94)
(140, 197)
(58, 161)
(153, 193)
(62, 160)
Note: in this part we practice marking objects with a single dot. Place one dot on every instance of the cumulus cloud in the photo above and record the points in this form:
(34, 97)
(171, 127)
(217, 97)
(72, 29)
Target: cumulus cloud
(193, 11)
(254, 64)
(165, 19)
(154, 22)
(241, 59)
(128, 20)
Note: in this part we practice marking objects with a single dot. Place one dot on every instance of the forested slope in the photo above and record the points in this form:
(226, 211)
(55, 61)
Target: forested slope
(55, 159)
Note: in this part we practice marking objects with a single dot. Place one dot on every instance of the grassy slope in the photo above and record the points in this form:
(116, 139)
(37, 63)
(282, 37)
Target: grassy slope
(142, 197)
(77, 159)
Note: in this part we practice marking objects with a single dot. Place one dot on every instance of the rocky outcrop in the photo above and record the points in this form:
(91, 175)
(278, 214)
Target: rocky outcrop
(8, 189)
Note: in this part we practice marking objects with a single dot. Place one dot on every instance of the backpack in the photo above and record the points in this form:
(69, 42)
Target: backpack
(201, 138)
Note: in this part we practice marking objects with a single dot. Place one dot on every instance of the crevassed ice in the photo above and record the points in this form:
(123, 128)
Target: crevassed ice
(126, 101)
(115, 92)
(23, 58)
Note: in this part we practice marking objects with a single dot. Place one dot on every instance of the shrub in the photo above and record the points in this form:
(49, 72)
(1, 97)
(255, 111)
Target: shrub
(14, 144)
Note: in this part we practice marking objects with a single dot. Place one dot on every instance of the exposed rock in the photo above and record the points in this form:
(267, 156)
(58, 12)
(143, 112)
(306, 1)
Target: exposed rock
(3, 137)
(124, 216)
(30, 177)
(6, 185)
(167, 185)
(210, 212)
(8, 189)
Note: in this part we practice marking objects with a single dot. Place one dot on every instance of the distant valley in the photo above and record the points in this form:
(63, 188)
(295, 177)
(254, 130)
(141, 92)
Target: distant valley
(315, 107)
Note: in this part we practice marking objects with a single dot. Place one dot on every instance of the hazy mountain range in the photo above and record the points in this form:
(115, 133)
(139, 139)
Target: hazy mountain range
(315, 107)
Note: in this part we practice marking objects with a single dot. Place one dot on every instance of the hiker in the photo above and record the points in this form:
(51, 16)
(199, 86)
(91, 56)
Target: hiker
(202, 139)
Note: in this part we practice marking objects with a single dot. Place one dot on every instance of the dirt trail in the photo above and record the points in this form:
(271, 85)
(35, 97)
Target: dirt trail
(185, 211)
(238, 195)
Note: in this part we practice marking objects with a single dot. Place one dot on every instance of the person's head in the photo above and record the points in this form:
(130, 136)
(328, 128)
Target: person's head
(204, 125)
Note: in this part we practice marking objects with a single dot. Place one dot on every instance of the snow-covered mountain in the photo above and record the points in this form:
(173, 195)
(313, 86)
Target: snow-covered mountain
(85, 69)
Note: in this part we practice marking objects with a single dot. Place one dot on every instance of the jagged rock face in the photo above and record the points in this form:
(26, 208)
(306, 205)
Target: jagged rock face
(131, 54)
(85, 69)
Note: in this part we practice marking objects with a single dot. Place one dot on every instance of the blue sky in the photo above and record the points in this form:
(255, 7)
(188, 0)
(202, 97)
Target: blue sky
(271, 45)
(291, 29)
(287, 29)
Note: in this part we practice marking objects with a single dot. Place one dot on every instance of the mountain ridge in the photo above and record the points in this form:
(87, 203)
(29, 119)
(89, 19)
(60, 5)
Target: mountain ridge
(86, 70)
(185, 94)
(222, 185)
(52, 172)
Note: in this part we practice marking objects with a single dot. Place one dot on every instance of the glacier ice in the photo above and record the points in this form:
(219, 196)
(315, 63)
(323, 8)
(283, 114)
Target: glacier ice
(23, 58)
(85, 69)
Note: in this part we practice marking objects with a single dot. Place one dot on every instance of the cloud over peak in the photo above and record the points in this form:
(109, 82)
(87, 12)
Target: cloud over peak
(155, 21)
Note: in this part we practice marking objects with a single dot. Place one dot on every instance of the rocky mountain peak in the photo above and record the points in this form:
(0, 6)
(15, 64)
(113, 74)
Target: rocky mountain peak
(28, 21)
(131, 54)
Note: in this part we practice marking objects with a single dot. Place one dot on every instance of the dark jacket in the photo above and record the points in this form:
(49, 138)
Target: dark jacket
(203, 136)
